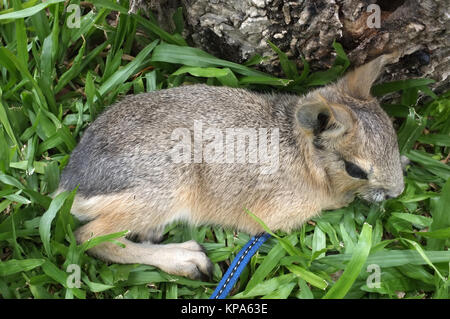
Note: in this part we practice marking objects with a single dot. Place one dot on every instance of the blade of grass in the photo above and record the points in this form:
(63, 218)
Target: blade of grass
(27, 12)
(167, 37)
(21, 35)
(356, 263)
(389, 87)
(7, 125)
(72, 72)
(225, 75)
(195, 57)
(318, 241)
(289, 67)
(308, 276)
(410, 131)
(14, 266)
(46, 220)
(434, 166)
(435, 139)
(46, 76)
(443, 233)
(391, 258)
(123, 74)
(417, 220)
(269, 263)
(441, 217)
(419, 249)
(293, 251)
(90, 91)
(282, 292)
(13, 60)
(105, 238)
(266, 287)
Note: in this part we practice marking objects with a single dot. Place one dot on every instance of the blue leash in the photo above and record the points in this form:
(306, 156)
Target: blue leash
(238, 265)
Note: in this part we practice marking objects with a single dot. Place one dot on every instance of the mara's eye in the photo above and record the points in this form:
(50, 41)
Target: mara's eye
(354, 170)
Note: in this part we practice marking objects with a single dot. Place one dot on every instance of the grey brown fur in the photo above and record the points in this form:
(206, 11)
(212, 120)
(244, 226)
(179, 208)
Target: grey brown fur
(128, 180)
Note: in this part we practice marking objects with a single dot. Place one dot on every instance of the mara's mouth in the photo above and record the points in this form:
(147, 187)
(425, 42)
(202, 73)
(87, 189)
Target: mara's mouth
(373, 196)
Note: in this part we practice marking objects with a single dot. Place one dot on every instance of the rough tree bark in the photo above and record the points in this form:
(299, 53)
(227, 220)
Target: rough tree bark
(237, 29)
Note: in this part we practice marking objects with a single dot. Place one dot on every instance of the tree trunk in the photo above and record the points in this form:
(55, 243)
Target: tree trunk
(237, 29)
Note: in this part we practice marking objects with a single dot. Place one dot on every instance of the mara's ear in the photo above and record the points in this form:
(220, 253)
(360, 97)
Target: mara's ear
(358, 82)
(319, 117)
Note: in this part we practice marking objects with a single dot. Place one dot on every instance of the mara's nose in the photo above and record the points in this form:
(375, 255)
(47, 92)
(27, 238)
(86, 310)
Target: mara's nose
(389, 194)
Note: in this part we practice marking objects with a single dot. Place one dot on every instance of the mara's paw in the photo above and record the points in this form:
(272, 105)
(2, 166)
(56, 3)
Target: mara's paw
(187, 259)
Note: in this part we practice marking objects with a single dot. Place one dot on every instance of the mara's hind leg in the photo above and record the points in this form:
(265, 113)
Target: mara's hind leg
(185, 259)
(122, 212)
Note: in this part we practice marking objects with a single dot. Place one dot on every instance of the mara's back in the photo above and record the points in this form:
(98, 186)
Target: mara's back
(130, 143)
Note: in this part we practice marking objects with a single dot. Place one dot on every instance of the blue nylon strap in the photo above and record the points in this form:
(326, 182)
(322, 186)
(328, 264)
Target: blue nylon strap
(238, 265)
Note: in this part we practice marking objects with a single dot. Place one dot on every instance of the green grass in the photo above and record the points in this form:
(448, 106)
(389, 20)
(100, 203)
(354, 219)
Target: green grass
(55, 80)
